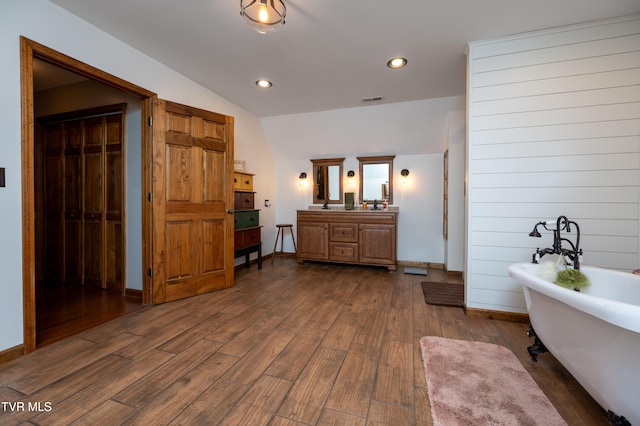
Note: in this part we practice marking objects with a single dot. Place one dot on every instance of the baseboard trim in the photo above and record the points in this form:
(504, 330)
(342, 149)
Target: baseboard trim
(498, 315)
(11, 354)
(414, 264)
(133, 294)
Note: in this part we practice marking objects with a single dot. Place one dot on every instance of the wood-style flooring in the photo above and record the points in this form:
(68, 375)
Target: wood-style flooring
(289, 345)
(63, 310)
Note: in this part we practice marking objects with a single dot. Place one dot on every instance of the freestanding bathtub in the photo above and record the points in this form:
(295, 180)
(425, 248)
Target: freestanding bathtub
(594, 333)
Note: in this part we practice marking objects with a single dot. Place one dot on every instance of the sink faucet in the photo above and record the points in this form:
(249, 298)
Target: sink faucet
(375, 204)
(326, 204)
(562, 223)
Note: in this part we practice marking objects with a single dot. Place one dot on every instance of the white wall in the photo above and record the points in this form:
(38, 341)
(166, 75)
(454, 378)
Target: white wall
(52, 26)
(554, 129)
(416, 132)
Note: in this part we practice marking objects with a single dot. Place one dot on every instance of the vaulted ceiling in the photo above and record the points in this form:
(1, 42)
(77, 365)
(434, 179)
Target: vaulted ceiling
(330, 54)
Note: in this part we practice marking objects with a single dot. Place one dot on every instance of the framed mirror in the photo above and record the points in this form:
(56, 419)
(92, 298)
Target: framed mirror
(376, 178)
(327, 181)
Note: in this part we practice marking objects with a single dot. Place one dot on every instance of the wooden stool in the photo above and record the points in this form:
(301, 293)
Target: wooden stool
(280, 235)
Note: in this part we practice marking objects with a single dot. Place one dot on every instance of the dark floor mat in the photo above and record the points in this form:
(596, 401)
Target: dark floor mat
(440, 293)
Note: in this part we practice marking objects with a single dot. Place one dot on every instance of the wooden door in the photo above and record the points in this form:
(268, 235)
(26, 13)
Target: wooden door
(192, 199)
(81, 193)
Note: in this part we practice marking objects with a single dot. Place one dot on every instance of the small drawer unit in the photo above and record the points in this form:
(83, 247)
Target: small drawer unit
(247, 237)
(246, 219)
(247, 229)
(243, 200)
(242, 181)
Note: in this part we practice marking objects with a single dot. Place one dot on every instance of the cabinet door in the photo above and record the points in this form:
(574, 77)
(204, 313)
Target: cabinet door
(377, 244)
(313, 240)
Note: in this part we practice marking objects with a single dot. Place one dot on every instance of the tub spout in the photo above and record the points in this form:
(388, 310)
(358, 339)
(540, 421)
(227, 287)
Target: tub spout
(574, 253)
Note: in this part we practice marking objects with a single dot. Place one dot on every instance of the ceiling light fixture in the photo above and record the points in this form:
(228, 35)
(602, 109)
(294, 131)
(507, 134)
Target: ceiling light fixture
(396, 63)
(264, 16)
(265, 84)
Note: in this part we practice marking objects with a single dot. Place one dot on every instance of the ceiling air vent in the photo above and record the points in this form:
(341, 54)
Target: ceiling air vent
(372, 99)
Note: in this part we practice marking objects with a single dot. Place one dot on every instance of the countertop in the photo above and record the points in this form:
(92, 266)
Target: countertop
(355, 210)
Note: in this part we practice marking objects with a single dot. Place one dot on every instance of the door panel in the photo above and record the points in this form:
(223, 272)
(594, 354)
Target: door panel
(213, 173)
(93, 204)
(192, 189)
(73, 210)
(114, 203)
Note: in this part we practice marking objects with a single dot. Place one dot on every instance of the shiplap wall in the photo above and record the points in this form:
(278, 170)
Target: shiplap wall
(553, 129)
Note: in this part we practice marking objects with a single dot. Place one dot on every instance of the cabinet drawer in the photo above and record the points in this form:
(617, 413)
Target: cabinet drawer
(243, 200)
(242, 181)
(246, 237)
(246, 219)
(346, 232)
(343, 252)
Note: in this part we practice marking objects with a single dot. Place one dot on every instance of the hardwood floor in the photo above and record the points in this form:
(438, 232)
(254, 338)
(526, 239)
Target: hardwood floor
(288, 345)
(63, 310)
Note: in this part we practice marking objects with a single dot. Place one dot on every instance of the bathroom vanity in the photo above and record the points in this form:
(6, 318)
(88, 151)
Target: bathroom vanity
(362, 237)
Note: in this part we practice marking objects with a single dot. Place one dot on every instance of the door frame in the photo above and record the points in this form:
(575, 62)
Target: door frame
(29, 50)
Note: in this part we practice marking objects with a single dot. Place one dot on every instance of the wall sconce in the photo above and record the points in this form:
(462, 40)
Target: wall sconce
(302, 179)
(405, 176)
(350, 177)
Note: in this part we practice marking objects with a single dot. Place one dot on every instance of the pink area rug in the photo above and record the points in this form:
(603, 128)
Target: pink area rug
(475, 383)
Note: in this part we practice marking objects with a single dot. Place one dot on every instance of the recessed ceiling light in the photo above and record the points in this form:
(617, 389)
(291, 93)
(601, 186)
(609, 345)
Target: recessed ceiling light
(265, 84)
(396, 63)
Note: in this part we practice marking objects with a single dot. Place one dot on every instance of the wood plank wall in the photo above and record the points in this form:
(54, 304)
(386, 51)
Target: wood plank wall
(553, 129)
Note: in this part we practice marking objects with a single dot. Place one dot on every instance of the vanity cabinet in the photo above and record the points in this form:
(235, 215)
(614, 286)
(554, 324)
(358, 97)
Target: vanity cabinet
(344, 236)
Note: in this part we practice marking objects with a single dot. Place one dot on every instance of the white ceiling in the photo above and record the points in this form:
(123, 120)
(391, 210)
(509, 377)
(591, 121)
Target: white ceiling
(330, 53)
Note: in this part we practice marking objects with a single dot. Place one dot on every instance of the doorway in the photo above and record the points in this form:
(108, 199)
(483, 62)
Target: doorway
(186, 225)
(34, 52)
(80, 203)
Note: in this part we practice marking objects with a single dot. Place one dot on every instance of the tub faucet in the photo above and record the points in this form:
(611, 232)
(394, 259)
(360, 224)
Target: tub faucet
(562, 223)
